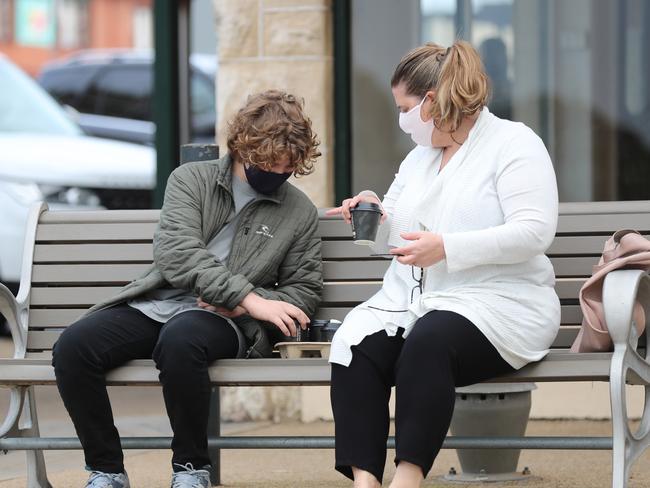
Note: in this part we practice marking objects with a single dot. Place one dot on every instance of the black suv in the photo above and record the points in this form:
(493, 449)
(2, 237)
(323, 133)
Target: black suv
(113, 93)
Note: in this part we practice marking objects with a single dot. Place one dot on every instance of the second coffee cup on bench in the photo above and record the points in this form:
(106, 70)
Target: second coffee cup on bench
(365, 222)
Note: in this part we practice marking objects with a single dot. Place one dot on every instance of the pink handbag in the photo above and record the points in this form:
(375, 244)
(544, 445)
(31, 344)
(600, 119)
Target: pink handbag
(625, 249)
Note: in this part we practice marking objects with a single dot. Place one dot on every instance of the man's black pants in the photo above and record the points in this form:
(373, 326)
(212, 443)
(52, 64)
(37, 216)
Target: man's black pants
(182, 349)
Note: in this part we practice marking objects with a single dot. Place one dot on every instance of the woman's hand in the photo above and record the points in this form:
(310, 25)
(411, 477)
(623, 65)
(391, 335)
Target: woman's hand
(349, 203)
(231, 314)
(282, 314)
(426, 249)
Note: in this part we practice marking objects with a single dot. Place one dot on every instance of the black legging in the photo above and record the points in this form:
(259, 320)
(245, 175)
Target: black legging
(182, 349)
(443, 350)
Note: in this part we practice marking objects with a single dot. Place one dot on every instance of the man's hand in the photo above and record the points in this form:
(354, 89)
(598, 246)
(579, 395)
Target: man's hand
(282, 314)
(231, 314)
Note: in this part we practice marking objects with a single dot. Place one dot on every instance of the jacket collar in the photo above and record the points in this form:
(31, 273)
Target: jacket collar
(224, 179)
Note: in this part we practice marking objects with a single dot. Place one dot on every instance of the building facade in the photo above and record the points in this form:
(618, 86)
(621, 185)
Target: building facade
(33, 32)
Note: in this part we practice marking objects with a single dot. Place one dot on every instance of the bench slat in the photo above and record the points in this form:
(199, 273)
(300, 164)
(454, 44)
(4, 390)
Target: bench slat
(567, 224)
(39, 340)
(589, 247)
(93, 216)
(96, 232)
(607, 223)
(72, 224)
(79, 253)
(74, 296)
(94, 253)
(114, 273)
(558, 366)
(56, 318)
(332, 271)
(86, 273)
(333, 292)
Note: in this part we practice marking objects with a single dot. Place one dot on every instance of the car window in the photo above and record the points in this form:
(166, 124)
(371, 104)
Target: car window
(124, 91)
(26, 107)
(69, 85)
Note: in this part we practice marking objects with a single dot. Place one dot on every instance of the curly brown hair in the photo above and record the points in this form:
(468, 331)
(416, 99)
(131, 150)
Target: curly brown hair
(271, 126)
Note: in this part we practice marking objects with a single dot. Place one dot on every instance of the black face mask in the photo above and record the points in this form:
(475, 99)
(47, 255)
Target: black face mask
(265, 182)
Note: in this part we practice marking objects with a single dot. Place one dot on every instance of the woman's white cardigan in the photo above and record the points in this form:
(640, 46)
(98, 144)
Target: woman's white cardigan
(496, 205)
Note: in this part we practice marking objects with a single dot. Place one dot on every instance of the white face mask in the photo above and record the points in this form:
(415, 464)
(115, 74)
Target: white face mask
(419, 130)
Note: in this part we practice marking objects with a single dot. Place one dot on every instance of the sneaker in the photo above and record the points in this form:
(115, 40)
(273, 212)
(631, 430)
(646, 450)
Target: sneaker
(108, 480)
(190, 477)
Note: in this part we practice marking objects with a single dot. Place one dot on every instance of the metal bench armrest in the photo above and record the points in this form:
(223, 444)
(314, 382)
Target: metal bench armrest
(15, 313)
(621, 290)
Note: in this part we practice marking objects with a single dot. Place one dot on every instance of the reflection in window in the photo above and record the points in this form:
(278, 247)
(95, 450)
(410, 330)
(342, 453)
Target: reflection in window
(438, 21)
(636, 82)
(492, 34)
(202, 91)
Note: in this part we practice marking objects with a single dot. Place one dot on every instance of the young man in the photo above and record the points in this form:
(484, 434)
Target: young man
(236, 265)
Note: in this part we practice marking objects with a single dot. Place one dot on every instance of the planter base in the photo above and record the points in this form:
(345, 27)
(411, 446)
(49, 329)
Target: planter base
(486, 478)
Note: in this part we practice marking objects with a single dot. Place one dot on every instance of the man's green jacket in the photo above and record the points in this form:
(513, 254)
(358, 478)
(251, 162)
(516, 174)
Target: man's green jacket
(276, 252)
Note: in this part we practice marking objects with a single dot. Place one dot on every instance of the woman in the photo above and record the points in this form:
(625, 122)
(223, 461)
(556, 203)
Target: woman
(469, 295)
(236, 265)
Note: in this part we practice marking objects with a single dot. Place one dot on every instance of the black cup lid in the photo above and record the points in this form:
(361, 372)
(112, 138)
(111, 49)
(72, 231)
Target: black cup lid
(366, 206)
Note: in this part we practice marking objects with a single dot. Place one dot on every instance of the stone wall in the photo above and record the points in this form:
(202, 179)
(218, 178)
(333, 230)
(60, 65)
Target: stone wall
(283, 44)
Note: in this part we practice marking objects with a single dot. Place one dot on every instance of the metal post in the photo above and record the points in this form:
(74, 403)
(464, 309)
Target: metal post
(214, 430)
(342, 103)
(171, 96)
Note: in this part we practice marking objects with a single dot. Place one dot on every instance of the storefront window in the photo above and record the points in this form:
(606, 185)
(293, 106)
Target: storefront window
(576, 72)
(73, 23)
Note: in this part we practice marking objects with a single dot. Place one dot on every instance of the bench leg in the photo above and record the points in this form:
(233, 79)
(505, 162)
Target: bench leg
(214, 430)
(36, 472)
(621, 290)
(627, 445)
(9, 426)
(620, 428)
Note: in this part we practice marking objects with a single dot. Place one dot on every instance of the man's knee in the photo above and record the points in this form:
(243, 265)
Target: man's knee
(72, 348)
(175, 346)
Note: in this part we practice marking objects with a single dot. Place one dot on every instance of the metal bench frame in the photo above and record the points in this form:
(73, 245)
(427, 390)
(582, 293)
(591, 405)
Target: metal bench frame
(592, 222)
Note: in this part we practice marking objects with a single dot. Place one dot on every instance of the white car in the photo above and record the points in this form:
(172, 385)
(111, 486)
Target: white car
(45, 156)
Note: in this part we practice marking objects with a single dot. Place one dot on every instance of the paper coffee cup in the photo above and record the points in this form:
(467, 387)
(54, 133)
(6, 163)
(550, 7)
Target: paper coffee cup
(365, 222)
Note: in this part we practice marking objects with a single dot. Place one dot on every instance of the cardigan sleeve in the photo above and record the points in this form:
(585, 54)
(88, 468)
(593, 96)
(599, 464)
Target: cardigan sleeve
(527, 192)
(390, 199)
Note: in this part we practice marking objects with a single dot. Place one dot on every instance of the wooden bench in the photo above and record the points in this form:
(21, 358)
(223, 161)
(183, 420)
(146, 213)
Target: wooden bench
(74, 259)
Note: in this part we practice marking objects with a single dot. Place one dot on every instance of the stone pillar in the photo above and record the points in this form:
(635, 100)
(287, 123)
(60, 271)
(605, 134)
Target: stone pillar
(283, 44)
(287, 45)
